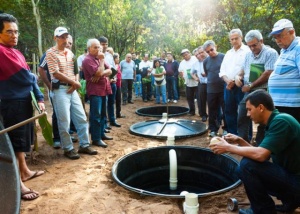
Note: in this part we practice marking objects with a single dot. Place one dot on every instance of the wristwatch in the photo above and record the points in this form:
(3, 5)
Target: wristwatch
(249, 85)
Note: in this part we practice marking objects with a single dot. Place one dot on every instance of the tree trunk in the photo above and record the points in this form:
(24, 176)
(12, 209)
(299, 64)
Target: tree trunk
(36, 13)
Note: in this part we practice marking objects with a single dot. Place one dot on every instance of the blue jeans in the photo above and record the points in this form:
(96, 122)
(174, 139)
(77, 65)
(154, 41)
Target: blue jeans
(172, 88)
(97, 116)
(69, 106)
(111, 102)
(232, 98)
(161, 89)
(138, 85)
(262, 179)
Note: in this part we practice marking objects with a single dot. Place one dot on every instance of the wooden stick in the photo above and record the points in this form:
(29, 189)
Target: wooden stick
(22, 123)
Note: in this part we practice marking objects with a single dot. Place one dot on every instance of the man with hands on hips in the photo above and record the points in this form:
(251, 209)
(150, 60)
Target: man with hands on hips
(263, 178)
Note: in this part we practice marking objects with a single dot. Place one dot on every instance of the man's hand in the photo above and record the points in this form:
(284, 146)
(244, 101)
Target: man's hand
(76, 85)
(220, 147)
(230, 85)
(100, 55)
(246, 88)
(42, 106)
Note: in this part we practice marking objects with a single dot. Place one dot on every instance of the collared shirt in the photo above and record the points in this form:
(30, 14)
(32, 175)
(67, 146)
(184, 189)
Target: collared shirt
(146, 64)
(233, 62)
(80, 59)
(186, 68)
(90, 66)
(109, 59)
(199, 70)
(60, 61)
(284, 82)
(267, 56)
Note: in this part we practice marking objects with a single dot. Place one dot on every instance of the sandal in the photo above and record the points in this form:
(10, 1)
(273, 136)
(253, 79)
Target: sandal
(29, 195)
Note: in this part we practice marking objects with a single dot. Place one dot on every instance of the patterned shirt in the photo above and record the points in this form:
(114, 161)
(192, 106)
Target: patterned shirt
(267, 56)
(284, 82)
(61, 61)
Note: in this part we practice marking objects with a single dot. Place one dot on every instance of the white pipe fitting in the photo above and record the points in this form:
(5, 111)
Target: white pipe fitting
(191, 205)
(173, 169)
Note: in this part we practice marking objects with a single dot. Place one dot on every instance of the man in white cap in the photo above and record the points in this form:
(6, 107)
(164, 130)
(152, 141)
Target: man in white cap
(66, 100)
(284, 82)
(185, 71)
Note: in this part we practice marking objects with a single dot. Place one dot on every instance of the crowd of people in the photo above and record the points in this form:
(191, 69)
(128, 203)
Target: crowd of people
(250, 82)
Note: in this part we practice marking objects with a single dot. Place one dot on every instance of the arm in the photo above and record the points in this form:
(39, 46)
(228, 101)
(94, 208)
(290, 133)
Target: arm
(44, 77)
(243, 148)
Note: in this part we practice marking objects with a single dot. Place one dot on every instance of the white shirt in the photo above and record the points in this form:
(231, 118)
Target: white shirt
(80, 60)
(186, 68)
(199, 70)
(233, 62)
(144, 64)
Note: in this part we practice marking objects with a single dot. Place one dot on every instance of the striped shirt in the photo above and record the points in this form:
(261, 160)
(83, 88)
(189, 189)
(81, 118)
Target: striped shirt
(60, 61)
(267, 56)
(284, 82)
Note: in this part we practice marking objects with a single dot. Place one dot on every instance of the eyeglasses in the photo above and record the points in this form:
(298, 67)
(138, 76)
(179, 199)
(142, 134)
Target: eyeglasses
(253, 46)
(279, 36)
(211, 50)
(12, 32)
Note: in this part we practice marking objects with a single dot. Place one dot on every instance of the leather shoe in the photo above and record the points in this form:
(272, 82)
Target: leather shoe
(115, 124)
(204, 118)
(106, 131)
(105, 137)
(99, 143)
(108, 128)
(121, 116)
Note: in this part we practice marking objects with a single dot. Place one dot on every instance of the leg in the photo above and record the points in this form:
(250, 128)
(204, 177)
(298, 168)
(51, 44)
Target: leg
(124, 90)
(95, 117)
(111, 102)
(213, 109)
(262, 179)
(163, 93)
(190, 99)
(243, 120)
(118, 102)
(130, 82)
(157, 92)
(174, 88)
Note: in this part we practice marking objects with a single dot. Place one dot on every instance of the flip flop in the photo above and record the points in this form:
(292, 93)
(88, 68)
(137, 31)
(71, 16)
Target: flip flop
(35, 174)
(28, 193)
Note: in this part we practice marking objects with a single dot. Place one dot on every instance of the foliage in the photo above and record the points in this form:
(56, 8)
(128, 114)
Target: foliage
(145, 26)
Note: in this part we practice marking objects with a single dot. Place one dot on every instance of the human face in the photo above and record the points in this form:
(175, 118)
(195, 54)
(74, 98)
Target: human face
(104, 45)
(10, 34)
(95, 48)
(128, 57)
(186, 56)
(235, 40)
(157, 64)
(133, 56)
(255, 113)
(211, 51)
(201, 54)
(117, 60)
(69, 42)
(285, 38)
(255, 46)
(169, 57)
(61, 41)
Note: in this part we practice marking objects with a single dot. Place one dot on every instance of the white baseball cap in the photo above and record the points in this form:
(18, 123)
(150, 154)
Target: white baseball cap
(280, 25)
(60, 31)
(184, 51)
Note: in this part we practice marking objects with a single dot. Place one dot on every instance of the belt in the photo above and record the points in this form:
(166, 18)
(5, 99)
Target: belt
(66, 84)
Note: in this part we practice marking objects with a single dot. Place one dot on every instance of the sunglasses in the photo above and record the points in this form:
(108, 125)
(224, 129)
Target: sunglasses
(211, 50)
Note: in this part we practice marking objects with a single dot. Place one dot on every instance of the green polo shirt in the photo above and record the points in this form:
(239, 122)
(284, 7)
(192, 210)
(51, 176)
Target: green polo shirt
(282, 138)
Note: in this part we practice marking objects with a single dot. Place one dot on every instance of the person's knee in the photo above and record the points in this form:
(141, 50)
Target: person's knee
(246, 166)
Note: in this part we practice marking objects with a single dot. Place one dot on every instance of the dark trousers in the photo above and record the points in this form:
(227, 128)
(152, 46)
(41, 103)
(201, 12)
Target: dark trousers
(202, 99)
(262, 179)
(232, 99)
(215, 101)
(190, 96)
(111, 103)
(146, 90)
(118, 102)
(294, 111)
(127, 90)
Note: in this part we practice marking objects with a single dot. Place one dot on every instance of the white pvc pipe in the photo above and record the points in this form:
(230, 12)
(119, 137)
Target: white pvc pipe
(173, 169)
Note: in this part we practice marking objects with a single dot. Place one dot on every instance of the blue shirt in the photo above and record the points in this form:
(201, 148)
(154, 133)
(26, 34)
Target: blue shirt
(127, 69)
(198, 69)
(267, 56)
(284, 82)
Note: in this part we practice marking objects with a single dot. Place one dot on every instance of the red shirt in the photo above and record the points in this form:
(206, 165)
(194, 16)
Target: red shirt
(90, 66)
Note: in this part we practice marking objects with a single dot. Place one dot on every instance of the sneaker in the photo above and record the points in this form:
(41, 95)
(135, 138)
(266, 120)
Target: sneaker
(213, 134)
(175, 101)
(204, 118)
(224, 133)
(56, 144)
(169, 100)
(72, 154)
(87, 150)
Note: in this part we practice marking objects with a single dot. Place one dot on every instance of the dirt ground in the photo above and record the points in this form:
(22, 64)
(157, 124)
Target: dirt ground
(85, 186)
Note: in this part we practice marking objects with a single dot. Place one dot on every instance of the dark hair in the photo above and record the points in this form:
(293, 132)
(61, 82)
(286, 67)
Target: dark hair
(4, 17)
(154, 62)
(260, 96)
(116, 55)
(103, 39)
